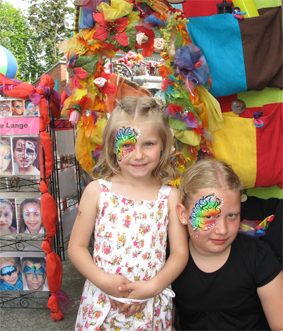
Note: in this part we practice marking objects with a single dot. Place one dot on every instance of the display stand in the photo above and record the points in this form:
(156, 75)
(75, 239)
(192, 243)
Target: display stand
(20, 203)
(65, 183)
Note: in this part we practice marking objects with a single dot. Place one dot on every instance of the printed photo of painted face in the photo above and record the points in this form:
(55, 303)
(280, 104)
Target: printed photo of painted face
(30, 108)
(5, 157)
(25, 154)
(17, 107)
(34, 270)
(30, 221)
(5, 108)
(7, 217)
(10, 276)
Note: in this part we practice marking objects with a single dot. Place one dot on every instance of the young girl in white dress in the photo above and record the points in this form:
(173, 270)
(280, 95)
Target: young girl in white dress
(130, 210)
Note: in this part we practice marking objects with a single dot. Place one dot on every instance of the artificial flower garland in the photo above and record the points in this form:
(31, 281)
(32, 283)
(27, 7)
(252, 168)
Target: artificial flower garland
(131, 26)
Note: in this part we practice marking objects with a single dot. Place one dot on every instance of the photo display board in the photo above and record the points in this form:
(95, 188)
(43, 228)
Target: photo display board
(19, 162)
(19, 138)
(23, 273)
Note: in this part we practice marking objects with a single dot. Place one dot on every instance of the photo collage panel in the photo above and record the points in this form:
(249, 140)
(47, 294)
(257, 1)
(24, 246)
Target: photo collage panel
(19, 155)
(26, 273)
(18, 107)
(20, 215)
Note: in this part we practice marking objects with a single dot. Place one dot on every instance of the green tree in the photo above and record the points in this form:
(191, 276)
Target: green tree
(50, 20)
(16, 36)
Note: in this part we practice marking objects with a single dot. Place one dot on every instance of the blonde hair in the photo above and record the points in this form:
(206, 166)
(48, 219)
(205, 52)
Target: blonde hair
(143, 109)
(208, 173)
(4, 261)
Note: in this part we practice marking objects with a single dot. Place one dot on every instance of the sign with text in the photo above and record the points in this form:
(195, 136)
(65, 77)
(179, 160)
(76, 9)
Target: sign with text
(16, 125)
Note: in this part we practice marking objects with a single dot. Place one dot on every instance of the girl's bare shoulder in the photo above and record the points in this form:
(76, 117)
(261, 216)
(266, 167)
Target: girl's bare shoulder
(92, 190)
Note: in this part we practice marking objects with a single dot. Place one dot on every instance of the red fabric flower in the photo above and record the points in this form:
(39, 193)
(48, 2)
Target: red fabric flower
(108, 88)
(174, 109)
(115, 29)
(147, 46)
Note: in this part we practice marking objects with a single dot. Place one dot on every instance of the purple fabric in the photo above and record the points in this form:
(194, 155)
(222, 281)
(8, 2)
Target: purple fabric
(191, 64)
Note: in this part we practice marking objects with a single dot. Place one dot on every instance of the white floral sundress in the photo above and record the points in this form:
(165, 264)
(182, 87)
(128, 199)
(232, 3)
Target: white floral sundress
(130, 240)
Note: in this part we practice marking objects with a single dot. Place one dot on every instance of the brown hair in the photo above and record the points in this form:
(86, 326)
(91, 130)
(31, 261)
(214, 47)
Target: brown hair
(144, 109)
(208, 173)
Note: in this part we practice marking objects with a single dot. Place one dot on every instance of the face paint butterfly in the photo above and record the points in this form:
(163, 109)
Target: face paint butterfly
(36, 271)
(125, 140)
(206, 212)
(8, 270)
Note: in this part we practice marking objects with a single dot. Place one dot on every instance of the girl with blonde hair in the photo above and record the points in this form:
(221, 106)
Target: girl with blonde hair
(130, 209)
(232, 281)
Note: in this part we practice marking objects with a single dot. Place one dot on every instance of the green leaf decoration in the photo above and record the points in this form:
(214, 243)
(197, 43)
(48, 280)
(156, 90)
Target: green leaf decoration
(168, 98)
(177, 124)
(178, 41)
(76, 107)
(132, 37)
(88, 63)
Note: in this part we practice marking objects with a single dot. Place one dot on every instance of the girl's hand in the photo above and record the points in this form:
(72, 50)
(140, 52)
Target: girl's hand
(139, 290)
(126, 309)
(112, 282)
(129, 310)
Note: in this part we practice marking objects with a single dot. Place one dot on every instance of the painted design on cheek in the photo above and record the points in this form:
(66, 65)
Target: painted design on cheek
(29, 153)
(6, 210)
(125, 141)
(5, 154)
(206, 212)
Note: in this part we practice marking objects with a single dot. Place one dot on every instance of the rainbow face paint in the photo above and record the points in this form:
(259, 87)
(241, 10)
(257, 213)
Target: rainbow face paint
(125, 141)
(206, 212)
(27, 210)
(5, 212)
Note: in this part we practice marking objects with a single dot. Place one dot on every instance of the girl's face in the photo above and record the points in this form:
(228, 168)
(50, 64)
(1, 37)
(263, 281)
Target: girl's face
(138, 147)
(18, 108)
(35, 276)
(6, 217)
(24, 153)
(10, 274)
(31, 216)
(213, 219)
(4, 109)
(5, 158)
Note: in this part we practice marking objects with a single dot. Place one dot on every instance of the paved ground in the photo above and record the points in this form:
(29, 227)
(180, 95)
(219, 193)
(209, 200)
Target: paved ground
(27, 319)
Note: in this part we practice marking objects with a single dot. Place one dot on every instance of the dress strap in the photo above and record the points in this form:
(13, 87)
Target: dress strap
(105, 184)
(164, 191)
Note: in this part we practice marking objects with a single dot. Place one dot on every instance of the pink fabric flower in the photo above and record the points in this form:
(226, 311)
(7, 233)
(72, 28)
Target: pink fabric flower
(100, 81)
(74, 117)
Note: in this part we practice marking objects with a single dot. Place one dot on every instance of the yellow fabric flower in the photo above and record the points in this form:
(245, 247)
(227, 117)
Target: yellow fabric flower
(188, 137)
(83, 150)
(118, 9)
(134, 18)
(215, 118)
(176, 182)
(67, 104)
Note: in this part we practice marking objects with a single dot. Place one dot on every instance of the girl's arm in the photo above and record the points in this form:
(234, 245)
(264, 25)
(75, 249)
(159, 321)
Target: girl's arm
(175, 264)
(79, 242)
(271, 297)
